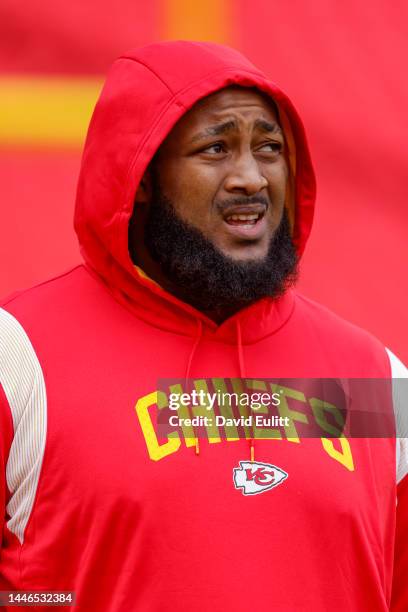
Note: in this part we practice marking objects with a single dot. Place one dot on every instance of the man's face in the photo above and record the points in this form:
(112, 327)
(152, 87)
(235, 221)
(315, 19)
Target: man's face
(222, 167)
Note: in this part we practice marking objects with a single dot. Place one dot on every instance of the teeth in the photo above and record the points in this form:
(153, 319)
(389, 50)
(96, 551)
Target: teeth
(252, 217)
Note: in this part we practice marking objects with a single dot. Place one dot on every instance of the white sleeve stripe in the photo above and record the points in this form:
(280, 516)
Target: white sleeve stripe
(23, 383)
(398, 370)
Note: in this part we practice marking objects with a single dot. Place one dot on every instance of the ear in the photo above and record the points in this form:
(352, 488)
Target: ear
(144, 190)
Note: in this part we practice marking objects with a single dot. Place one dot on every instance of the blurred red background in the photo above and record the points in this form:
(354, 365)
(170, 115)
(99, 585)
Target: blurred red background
(342, 64)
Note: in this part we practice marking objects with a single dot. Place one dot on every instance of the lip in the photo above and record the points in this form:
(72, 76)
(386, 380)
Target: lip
(246, 232)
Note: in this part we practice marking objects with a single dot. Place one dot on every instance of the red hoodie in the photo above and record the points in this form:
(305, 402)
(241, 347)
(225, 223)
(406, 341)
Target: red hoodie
(94, 501)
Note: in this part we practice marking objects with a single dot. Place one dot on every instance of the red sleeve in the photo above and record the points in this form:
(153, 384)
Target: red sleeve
(6, 437)
(399, 601)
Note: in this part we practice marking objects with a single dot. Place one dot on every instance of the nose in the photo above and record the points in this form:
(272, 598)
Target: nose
(245, 176)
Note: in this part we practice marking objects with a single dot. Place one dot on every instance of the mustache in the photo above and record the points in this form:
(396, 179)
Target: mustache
(241, 201)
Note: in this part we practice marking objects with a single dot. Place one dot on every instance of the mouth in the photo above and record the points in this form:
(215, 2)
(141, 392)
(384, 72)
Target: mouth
(245, 221)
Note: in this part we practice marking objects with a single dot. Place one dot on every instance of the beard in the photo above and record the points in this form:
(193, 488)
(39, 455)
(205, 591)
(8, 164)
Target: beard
(202, 275)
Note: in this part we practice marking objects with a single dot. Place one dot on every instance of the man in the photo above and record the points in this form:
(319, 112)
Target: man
(195, 201)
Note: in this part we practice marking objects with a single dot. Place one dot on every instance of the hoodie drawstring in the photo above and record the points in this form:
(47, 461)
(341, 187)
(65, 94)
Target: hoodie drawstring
(197, 340)
(242, 374)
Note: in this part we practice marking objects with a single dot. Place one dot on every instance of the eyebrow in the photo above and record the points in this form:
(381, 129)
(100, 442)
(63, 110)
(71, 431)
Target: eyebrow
(268, 126)
(227, 126)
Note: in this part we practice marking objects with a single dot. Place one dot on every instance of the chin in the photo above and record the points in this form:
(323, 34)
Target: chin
(245, 254)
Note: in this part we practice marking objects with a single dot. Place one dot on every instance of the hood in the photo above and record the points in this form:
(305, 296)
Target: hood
(146, 92)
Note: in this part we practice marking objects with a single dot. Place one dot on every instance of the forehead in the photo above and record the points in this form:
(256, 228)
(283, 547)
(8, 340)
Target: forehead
(248, 104)
(234, 98)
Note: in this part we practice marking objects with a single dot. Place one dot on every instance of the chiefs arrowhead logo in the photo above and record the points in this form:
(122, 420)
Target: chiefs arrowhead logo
(254, 477)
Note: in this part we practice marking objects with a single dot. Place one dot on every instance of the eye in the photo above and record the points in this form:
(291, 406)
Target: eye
(272, 146)
(216, 148)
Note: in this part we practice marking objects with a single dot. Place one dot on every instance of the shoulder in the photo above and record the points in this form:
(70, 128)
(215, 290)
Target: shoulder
(328, 322)
(44, 317)
(43, 292)
(67, 300)
(340, 339)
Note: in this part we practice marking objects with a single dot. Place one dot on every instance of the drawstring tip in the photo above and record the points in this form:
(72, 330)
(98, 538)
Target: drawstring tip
(197, 447)
(252, 453)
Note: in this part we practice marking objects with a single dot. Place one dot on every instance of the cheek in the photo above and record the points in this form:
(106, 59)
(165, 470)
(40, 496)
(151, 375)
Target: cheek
(192, 191)
(277, 194)
(278, 180)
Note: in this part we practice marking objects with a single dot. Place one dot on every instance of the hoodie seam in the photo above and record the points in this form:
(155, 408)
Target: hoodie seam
(22, 292)
(211, 74)
(200, 80)
(138, 61)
